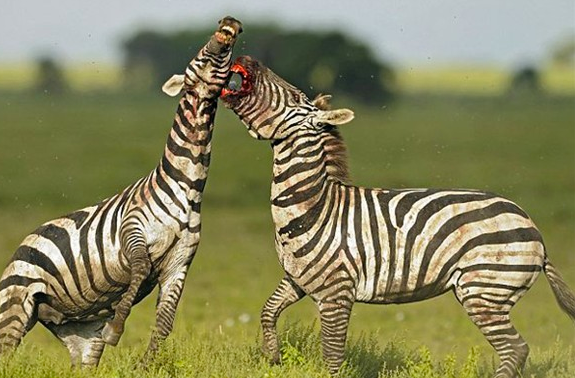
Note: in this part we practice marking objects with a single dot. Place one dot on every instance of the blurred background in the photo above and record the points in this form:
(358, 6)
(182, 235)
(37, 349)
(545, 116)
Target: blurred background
(365, 50)
(446, 94)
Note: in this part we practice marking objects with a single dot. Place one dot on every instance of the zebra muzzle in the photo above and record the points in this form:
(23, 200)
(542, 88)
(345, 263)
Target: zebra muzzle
(238, 82)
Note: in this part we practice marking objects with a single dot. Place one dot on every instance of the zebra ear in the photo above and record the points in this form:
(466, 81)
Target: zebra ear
(174, 85)
(335, 117)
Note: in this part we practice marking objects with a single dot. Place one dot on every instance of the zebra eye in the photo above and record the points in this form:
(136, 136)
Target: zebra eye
(296, 97)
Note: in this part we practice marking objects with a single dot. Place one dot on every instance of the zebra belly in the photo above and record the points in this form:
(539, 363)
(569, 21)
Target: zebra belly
(505, 250)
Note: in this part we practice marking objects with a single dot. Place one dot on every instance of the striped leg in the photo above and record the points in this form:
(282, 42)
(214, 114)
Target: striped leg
(488, 305)
(17, 316)
(83, 340)
(168, 298)
(140, 265)
(286, 294)
(334, 316)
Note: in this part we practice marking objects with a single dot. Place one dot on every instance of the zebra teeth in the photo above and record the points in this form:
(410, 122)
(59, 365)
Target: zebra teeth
(223, 38)
(229, 30)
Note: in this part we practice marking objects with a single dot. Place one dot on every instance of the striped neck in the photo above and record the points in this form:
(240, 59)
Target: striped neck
(186, 156)
(303, 177)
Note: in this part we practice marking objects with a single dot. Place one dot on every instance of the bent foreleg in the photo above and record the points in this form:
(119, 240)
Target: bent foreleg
(139, 261)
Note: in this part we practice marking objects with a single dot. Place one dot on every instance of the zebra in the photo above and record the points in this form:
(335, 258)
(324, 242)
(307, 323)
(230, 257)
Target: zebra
(341, 244)
(79, 275)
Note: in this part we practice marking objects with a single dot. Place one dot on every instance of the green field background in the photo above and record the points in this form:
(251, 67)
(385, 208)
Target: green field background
(60, 153)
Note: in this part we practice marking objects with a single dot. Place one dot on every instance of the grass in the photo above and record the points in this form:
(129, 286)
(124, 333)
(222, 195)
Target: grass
(58, 154)
(219, 355)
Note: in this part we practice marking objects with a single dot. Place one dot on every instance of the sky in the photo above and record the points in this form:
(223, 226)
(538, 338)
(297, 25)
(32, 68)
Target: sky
(504, 33)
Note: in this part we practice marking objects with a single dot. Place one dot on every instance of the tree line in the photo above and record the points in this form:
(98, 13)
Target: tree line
(329, 62)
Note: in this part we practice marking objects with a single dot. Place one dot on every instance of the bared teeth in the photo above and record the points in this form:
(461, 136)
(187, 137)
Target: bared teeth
(229, 29)
(221, 37)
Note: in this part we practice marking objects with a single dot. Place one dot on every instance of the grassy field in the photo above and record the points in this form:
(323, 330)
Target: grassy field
(62, 153)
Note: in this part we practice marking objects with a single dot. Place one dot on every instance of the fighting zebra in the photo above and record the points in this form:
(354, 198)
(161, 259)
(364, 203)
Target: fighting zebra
(341, 244)
(80, 275)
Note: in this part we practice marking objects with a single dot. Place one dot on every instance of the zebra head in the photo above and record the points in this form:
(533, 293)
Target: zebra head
(208, 71)
(273, 109)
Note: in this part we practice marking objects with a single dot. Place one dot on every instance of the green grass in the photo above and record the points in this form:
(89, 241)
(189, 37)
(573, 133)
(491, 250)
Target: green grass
(58, 154)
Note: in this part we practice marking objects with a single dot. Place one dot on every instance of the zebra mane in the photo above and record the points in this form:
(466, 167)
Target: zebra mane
(333, 145)
(336, 151)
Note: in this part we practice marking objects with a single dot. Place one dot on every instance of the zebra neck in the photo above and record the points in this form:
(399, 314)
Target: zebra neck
(186, 158)
(300, 183)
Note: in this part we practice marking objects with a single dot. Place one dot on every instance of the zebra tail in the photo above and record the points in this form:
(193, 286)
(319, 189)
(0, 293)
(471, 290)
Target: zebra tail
(563, 294)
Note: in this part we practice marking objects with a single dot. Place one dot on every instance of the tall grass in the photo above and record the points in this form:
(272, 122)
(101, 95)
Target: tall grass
(216, 355)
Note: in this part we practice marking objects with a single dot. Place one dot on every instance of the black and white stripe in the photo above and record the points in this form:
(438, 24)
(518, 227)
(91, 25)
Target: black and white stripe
(341, 244)
(79, 275)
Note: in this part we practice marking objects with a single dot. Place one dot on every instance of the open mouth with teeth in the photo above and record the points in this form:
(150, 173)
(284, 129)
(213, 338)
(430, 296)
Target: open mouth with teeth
(225, 35)
(238, 83)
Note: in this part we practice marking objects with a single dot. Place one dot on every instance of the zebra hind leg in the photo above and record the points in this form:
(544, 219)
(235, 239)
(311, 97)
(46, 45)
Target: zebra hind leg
(18, 314)
(334, 323)
(286, 294)
(488, 305)
(83, 340)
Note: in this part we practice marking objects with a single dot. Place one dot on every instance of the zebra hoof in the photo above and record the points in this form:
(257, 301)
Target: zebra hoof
(111, 335)
(272, 358)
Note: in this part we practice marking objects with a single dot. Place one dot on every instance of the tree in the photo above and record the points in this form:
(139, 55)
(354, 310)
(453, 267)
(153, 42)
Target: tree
(327, 62)
(50, 77)
(525, 81)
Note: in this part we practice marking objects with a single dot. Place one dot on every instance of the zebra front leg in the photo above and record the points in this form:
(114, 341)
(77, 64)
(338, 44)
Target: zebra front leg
(286, 294)
(168, 298)
(334, 316)
(140, 265)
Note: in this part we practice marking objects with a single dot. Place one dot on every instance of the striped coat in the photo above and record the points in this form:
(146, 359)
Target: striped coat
(79, 275)
(341, 244)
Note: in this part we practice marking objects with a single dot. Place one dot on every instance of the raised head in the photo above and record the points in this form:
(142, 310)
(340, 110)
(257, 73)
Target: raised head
(208, 71)
(273, 109)
(225, 37)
